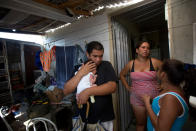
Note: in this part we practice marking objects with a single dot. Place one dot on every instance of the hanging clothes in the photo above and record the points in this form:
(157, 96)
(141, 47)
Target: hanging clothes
(64, 64)
(37, 60)
(67, 58)
(46, 58)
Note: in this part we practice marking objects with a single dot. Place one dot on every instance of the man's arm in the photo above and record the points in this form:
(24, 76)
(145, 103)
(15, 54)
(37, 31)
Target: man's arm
(71, 84)
(104, 89)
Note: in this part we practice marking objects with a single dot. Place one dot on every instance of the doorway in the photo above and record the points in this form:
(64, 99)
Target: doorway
(145, 22)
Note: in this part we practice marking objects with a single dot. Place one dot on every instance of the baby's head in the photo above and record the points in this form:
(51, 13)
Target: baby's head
(94, 71)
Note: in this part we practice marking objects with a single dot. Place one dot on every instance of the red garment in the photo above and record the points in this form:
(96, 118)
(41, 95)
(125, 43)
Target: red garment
(46, 58)
(143, 83)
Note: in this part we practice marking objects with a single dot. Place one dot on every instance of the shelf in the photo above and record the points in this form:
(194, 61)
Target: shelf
(3, 75)
(14, 70)
(18, 87)
(5, 85)
(3, 82)
(17, 78)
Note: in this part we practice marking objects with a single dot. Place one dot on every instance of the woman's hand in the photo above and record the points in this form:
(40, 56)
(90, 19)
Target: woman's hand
(146, 99)
(128, 88)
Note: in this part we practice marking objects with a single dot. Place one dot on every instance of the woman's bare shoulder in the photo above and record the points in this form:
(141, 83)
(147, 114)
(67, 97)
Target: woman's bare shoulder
(128, 66)
(156, 62)
(130, 63)
(173, 100)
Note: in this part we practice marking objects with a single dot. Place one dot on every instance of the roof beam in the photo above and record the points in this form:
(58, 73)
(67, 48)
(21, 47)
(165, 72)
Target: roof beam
(34, 8)
(68, 4)
(72, 3)
(45, 27)
(33, 24)
(13, 17)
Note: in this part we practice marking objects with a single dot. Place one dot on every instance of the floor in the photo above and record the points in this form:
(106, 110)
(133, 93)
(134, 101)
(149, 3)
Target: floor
(189, 126)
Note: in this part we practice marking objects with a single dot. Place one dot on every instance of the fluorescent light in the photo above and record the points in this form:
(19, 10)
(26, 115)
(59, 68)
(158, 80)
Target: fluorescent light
(125, 3)
(62, 26)
(39, 39)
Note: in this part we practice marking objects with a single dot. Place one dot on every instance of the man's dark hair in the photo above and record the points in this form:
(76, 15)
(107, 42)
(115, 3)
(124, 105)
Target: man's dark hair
(94, 45)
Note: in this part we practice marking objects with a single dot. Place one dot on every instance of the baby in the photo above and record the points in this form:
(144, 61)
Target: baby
(87, 81)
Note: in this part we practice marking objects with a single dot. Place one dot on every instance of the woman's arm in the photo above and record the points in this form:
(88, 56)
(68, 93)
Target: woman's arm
(170, 109)
(123, 73)
(151, 114)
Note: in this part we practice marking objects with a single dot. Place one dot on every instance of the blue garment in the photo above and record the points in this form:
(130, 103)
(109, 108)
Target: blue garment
(37, 60)
(179, 122)
(64, 64)
(66, 59)
(189, 66)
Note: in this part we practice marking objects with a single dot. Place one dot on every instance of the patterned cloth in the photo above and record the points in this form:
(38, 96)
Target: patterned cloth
(143, 83)
(46, 58)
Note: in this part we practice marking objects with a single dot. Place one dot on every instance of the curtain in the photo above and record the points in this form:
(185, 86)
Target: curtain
(64, 64)
(67, 58)
(122, 54)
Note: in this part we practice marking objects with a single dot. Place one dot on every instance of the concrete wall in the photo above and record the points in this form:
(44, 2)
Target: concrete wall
(194, 43)
(96, 28)
(181, 16)
(85, 30)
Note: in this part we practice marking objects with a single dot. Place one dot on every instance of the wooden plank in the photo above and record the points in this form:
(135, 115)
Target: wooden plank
(68, 4)
(72, 3)
(48, 4)
(34, 24)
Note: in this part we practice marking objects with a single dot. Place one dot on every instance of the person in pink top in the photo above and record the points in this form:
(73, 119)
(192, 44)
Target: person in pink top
(143, 81)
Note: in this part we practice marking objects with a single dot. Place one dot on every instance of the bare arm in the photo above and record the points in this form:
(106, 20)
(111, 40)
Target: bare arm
(150, 112)
(104, 89)
(156, 63)
(71, 85)
(169, 111)
(123, 73)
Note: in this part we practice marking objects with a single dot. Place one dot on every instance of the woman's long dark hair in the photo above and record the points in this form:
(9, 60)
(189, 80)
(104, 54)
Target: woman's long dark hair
(181, 77)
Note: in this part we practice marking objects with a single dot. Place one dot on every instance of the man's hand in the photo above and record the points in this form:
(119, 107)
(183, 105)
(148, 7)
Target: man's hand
(88, 67)
(83, 97)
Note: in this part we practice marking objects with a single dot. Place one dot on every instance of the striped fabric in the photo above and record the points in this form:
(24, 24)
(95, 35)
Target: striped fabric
(143, 83)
